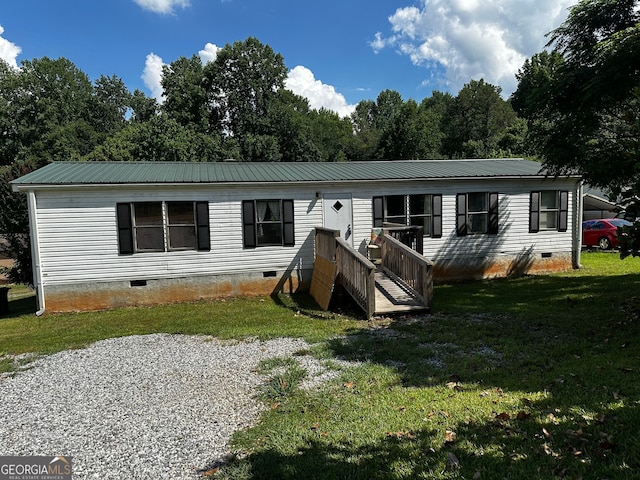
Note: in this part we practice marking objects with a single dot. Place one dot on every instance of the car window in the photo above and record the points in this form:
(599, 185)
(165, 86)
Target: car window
(618, 222)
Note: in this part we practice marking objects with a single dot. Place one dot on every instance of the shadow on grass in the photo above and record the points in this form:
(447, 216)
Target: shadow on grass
(21, 306)
(544, 369)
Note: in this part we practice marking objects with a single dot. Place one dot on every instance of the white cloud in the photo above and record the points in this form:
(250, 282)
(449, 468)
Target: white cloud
(209, 54)
(8, 51)
(162, 6)
(473, 39)
(152, 76)
(301, 81)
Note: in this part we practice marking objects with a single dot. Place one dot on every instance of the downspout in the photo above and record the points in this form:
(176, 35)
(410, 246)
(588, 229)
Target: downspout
(35, 251)
(577, 227)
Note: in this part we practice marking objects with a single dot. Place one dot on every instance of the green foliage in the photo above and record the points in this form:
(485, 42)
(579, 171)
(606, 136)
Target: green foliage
(581, 100)
(480, 124)
(14, 223)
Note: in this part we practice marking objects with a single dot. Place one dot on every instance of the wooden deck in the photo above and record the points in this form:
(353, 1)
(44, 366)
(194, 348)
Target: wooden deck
(394, 296)
(401, 282)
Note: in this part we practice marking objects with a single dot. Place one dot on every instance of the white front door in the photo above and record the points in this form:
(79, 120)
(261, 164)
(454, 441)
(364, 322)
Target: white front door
(336, 209)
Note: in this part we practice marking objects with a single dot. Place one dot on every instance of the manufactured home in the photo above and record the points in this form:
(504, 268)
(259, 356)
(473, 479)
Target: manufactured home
(109, 234)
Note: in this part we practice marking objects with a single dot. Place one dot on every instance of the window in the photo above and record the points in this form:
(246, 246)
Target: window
(422, 210)
(267, 222)
(548, 210)
(162, 226)
(476, 212)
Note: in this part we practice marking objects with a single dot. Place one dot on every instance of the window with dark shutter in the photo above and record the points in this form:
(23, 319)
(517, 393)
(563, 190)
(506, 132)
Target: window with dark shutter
(436, 219)
(492, 226)
(378, 211)
(564, 211)
(548, 210)
(249, 224)
(287, 223)
(202, 223)
(423, 210)
(461, 214)
(534, 212)
(125, 228)
(163, 226)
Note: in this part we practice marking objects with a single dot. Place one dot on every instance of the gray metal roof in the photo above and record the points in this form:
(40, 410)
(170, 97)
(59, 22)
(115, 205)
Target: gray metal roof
(114, 173)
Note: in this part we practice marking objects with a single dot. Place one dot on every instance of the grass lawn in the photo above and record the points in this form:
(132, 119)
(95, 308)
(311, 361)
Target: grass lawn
(533, 377)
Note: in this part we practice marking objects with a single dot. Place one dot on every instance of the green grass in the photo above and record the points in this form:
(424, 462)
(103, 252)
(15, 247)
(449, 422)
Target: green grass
(262, 318)
(535, 377)
(532, 377)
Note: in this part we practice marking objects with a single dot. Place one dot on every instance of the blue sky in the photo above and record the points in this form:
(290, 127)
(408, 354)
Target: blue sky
(337, 52)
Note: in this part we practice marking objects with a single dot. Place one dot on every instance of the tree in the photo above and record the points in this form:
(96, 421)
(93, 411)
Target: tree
(591, 103)
(241, 83)
(412, 134)
(480, 123)
(185, 92)
(159, 139)
(49, 111)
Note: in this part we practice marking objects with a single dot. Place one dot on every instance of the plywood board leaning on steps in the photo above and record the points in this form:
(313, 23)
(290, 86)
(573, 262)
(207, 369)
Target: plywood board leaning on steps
(323, 281)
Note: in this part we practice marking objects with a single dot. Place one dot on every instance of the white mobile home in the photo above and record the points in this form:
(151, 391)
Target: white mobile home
(107, 234)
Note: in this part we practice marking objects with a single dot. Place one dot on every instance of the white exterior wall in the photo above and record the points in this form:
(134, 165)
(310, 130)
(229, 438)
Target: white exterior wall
(78, 236)
(513, 236)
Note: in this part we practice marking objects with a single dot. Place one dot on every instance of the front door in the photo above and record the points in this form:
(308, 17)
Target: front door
(336, 209)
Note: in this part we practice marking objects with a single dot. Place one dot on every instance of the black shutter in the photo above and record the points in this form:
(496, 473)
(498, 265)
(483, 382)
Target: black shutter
(202, 226)
(378, 211)
(287, 225)
(534, 212)
(125, 229)
(249, 224)
(436, 216)
(564, 211)
(461, 214)
(492, 227)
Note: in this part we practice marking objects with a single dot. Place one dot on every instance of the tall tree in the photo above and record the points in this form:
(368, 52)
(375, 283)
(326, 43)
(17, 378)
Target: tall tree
(591, 105)
(479, 121)
(413, 133)
(185, 93)
(241, 84)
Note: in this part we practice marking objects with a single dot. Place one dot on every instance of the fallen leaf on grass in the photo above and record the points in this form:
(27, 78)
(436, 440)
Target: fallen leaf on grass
(503, 417)
(349, 385)
(523, 415)
(450, 436)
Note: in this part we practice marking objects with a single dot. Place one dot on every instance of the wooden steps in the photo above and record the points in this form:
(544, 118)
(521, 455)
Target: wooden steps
(393, 295)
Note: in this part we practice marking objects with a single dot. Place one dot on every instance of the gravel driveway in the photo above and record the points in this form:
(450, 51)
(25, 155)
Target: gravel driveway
(153, 406)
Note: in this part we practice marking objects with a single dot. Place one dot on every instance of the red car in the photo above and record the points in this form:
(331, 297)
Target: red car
(602, 233)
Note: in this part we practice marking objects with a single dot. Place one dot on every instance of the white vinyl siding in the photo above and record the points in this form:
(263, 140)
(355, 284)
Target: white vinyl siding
(78, 231)
(79, 237)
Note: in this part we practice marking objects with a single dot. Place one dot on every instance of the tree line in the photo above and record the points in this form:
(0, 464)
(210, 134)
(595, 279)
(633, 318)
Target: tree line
(575, 109)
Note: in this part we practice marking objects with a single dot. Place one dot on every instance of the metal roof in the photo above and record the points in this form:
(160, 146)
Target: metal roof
(126, 173)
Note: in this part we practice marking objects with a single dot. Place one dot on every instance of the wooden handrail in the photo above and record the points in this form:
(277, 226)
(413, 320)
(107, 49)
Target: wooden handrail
(414, 269)
(411, 235)
(358, 276)
(325, 243)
